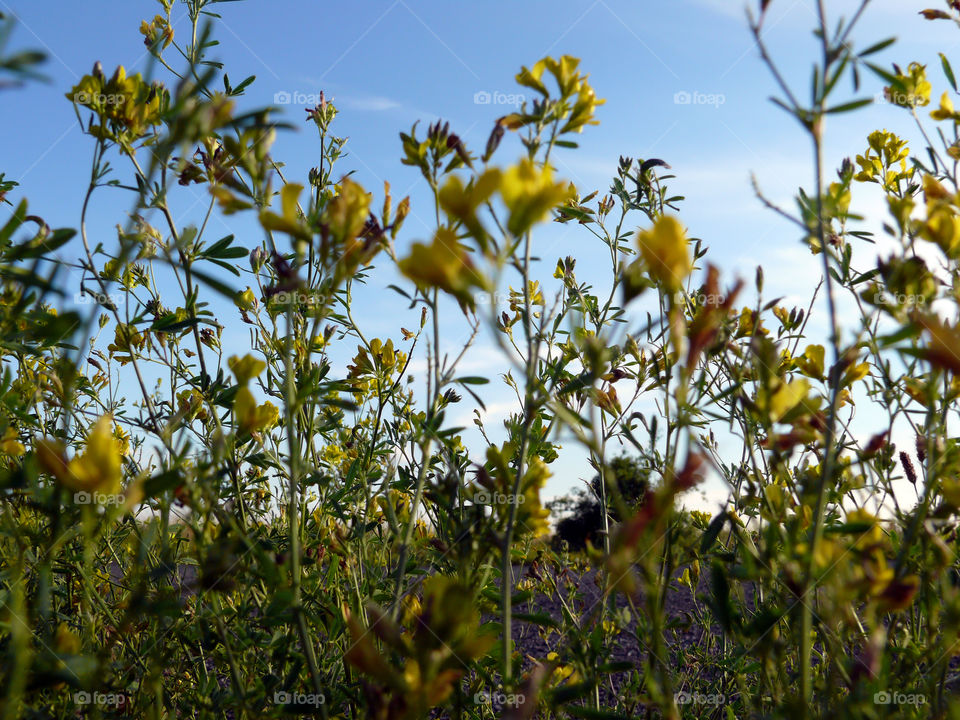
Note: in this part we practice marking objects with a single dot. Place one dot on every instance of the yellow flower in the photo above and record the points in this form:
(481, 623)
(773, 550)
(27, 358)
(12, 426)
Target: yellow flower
(123, 439)
(531, 516)
(98, 468)
(65, 641)
(942, 228)
(246, 368)
(854, 373)
(786, 397)
(190, 404)
(461, 203)
(665, 252)
(561, 673)
(347, 211)
(910, 90)
(333, 454)
(156, 29)
(583, 110)
(127, 103)
(444, 264)
(872, 535)
(533, 290)
(252, 417)
(811, 363)
(774, 495)
(10, 444)
(901, 209)
(885, 161)
(700, 519)
(942, 350)
(573, 88)
(289, 220)
(529, 194)
(126, 339)
(946, 110)
(246, 300)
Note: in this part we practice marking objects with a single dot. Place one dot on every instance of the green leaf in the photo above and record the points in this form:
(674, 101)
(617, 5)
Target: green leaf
(881, 72)
(852, 105)
(170, 323)
(542, 619)
(948, 71)
(472, 380)
(14, 223)
(226, 266)
(864, 277)
(222, 250)
(217, 285)
(877, 47)
(157, 484)
(400, 290)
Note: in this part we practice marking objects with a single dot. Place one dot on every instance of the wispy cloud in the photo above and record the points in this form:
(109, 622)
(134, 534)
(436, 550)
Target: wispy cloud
(368, 103)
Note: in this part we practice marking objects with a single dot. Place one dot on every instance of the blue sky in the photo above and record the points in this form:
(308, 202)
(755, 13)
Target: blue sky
(388, 63)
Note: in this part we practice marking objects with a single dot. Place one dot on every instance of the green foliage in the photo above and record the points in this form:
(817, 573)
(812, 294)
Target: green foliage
(188, 529)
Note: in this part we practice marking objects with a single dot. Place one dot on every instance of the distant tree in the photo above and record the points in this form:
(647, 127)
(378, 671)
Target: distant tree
(583, 516)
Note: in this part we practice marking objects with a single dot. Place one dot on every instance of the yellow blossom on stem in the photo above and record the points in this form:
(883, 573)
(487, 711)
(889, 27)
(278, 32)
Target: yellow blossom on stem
(347, 211)
(910, 89)
(156, 30)
(10, 443)
(444, 264)
(246, 368)
(529, 194)
(246, 300)
(946, 110)
(665, 252)
(252, 417)
(98, 468)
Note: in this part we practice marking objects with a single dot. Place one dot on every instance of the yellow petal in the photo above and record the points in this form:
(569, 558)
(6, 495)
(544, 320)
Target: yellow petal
(665, 252)
(786, 397)
(246, 368)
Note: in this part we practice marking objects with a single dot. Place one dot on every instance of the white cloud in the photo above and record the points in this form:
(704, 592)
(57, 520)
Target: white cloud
(368, 103)
(495, 414)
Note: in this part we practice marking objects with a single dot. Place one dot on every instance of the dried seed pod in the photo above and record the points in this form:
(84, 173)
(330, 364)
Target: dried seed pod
(908, 467)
